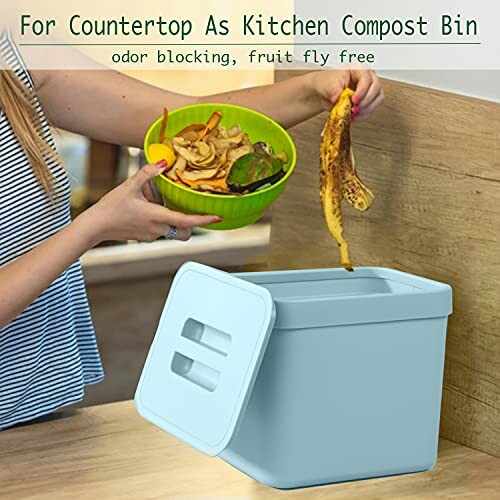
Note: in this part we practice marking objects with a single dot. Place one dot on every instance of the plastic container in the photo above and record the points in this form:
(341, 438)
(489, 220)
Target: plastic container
(299, 378)
(236, 211)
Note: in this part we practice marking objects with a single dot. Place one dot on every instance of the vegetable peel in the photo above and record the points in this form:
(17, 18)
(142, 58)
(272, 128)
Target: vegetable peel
(202, 156)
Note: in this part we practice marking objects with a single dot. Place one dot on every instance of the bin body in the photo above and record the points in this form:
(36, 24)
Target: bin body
(299, 378)
(345, 402)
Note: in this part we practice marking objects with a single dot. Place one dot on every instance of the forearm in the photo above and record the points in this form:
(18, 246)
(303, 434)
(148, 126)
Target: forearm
(111, 107)
(104, 105)
(23, 280)
(288, 102)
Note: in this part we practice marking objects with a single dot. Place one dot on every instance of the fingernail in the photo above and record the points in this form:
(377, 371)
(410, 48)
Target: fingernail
(355, 110)
(218, 219)
(161, 164)
(355, 99)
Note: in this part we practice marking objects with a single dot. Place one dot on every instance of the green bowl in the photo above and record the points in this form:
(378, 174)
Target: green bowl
(235, 211)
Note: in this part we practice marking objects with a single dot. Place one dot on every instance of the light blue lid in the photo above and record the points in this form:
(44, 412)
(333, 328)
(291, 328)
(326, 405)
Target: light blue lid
(205, 356)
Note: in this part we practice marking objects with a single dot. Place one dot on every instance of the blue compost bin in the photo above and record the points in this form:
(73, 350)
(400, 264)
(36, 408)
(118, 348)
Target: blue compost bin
(299, 378)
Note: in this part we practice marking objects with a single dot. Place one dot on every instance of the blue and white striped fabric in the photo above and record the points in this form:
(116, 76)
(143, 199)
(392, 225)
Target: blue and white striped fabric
(49, 352)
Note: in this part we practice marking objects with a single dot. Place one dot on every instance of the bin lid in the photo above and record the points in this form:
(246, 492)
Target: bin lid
(205, 356)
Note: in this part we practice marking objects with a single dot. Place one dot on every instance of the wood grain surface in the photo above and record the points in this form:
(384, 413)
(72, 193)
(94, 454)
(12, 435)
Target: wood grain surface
(109, 452)
(433, 162)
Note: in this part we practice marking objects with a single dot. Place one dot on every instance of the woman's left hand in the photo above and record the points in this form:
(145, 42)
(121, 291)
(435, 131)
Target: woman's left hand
(368, 94)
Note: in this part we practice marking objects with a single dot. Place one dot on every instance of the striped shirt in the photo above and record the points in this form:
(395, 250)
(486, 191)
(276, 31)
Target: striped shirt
(49, 352)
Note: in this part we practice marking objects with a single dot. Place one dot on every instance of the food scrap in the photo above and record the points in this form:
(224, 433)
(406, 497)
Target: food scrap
(338, 177)
(210, 158)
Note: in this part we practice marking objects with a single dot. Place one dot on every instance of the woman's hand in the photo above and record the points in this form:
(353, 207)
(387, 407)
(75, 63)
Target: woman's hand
(123, 214)
(368, 95)
(126, 213)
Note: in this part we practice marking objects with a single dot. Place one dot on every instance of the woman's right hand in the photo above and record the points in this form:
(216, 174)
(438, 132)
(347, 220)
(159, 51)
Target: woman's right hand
(126, 214)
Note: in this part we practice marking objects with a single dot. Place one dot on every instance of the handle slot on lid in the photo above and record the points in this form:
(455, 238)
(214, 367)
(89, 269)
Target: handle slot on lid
(207, 336)
(195, 371)
(203, 362)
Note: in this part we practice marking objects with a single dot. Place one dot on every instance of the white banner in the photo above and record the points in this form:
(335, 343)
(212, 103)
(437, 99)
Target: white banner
(203, 34)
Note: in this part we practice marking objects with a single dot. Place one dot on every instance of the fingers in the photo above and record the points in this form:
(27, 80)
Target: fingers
(165, 216)
(183, 224)
(363, 81)
(369, 94)
(363, 114)
(183, 233)
(151, 232)
(147, 173)
(335, 94)
(147, 191)
(151, 193)
(337, 86)
(372, 93)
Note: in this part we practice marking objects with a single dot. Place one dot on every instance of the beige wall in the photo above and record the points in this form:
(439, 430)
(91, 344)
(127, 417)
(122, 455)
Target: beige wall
(204, 82)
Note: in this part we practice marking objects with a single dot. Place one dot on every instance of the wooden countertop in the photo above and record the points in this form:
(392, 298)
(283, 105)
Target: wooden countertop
(109, 451)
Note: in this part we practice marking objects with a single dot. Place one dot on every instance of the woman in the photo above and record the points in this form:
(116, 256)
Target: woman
(48, 351)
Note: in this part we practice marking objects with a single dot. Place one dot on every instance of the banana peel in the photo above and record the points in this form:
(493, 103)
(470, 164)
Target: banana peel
(354, 190)
(338, 176)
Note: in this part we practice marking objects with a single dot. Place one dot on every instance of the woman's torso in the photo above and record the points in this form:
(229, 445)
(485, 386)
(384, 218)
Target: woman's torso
(48, 353)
